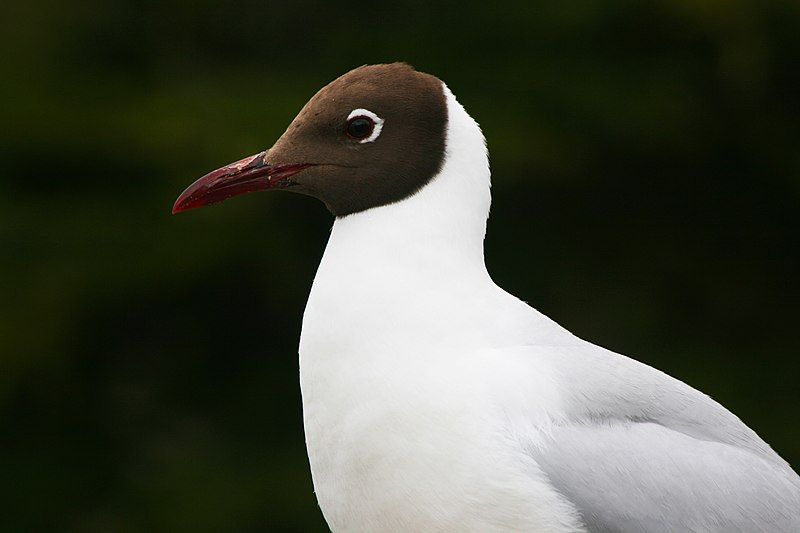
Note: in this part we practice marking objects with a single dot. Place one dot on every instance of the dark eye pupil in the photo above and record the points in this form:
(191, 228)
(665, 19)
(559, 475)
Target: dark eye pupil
(360, 127)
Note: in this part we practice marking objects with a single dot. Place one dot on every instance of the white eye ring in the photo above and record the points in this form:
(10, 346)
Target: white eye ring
(376, 131)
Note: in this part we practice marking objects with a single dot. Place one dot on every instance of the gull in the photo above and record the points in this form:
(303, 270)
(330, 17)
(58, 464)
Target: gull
(433, 400)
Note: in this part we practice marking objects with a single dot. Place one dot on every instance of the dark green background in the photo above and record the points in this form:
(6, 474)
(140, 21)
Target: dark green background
(646, 162)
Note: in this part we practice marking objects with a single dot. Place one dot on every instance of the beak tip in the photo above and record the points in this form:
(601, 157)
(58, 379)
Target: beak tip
(188, 200)
(179, 206)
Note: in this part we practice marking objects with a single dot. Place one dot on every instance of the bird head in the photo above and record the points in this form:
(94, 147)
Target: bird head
(372, 137)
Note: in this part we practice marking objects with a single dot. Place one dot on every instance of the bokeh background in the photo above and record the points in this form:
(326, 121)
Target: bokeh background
(646, 163)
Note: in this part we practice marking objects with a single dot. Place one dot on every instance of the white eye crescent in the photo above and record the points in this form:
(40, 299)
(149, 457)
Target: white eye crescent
(359, 122)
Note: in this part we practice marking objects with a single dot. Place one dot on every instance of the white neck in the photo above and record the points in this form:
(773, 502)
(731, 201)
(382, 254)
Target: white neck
(445, 222)
(399, 274)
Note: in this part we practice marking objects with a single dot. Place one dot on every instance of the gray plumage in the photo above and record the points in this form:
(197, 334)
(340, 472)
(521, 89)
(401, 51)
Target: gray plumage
(653, 454)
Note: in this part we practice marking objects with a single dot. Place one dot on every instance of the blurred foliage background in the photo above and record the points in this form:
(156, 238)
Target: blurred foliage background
(646, 169)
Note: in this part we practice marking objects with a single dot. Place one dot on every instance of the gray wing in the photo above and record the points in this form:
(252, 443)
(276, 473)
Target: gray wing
(642, 476)
(637, 450)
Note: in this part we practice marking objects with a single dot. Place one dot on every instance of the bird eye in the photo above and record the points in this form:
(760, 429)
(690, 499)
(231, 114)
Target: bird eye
(363, 125)
(360, 127)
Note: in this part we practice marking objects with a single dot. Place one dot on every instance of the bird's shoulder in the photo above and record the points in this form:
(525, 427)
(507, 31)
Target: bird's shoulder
(598, 386)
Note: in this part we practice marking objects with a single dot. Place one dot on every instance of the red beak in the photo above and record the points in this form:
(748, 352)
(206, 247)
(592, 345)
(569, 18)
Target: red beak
(251, 174)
